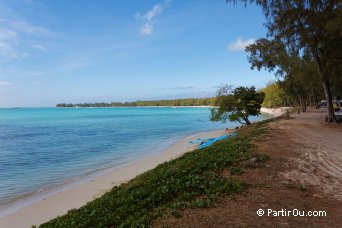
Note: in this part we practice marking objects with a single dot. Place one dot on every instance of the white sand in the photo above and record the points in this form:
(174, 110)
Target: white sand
(76, 196)
(275, 111)
(59, 202)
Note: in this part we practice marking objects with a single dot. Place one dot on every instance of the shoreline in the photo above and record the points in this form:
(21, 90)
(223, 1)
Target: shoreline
(150, 106)
(37, 208)
(20, 201)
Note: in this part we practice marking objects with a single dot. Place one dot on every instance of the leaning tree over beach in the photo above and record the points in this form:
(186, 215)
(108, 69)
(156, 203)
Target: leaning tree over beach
(237, 104)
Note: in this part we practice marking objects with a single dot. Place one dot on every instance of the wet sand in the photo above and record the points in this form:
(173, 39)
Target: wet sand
(59, 202)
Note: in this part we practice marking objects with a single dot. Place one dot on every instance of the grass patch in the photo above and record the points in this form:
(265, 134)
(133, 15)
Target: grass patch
(193, 180)
(236, 170)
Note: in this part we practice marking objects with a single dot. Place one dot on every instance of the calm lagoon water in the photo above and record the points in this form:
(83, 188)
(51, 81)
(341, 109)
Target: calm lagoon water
(45, 147)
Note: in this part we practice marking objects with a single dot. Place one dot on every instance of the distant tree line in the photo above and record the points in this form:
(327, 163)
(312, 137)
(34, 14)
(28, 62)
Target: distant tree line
(176, 102)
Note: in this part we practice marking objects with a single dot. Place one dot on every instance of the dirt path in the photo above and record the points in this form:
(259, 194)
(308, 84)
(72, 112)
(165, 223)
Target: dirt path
(319, 148)
(304, 173)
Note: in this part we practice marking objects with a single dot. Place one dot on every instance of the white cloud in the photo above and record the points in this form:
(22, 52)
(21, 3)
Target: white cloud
(7, 40)
(177, 88)
(16, 34)
(8, 43)
(3, 83)
(182, 88)
(6, 34)
(39, 47)
(239, 44)
(10, 72)
(28, 28)
(147, 18)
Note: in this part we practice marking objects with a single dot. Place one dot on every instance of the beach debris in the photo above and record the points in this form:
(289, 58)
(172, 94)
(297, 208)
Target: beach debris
(205, 141)
(213, 140)
(196, 142)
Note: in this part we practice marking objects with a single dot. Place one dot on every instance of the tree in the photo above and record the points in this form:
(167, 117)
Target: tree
(296, 73)
(274, 57)
(313, 27)
(274, 96)
(237, 104)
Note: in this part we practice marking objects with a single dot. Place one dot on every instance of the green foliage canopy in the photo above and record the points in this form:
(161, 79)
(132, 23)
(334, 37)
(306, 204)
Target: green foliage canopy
(274, 96)
(306, 30)
(237, 104)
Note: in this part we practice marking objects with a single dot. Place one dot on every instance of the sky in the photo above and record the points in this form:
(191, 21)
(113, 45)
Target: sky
(124, 50)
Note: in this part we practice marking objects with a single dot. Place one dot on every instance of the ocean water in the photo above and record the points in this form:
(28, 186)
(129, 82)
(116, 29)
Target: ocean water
(45, 147)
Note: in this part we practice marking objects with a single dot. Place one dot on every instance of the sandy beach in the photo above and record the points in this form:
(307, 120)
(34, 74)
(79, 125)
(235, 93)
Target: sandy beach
(47, 206)
(275, 111)
(58, 203)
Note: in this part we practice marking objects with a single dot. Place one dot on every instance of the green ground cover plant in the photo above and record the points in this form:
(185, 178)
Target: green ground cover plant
(194, 180)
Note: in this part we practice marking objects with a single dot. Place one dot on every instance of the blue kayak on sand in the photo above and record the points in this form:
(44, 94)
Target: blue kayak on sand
(197, 142)
(213, 140)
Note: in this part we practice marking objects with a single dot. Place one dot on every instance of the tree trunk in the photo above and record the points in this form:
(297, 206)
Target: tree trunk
(314, 99)
(326, 86)
(322, 73)
(247, 121)
(328, 97)
(311, 99)
(300, 98)
(304, 103)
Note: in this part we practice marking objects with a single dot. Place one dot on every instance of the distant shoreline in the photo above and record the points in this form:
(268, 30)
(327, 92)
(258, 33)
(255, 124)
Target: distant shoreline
(150, 106)
(146, 103)
(165, 106)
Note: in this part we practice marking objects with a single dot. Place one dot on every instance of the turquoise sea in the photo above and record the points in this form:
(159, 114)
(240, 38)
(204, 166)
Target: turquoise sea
(45, 147)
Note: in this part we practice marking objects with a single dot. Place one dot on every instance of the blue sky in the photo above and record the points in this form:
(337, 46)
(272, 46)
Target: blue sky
(87, 51)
